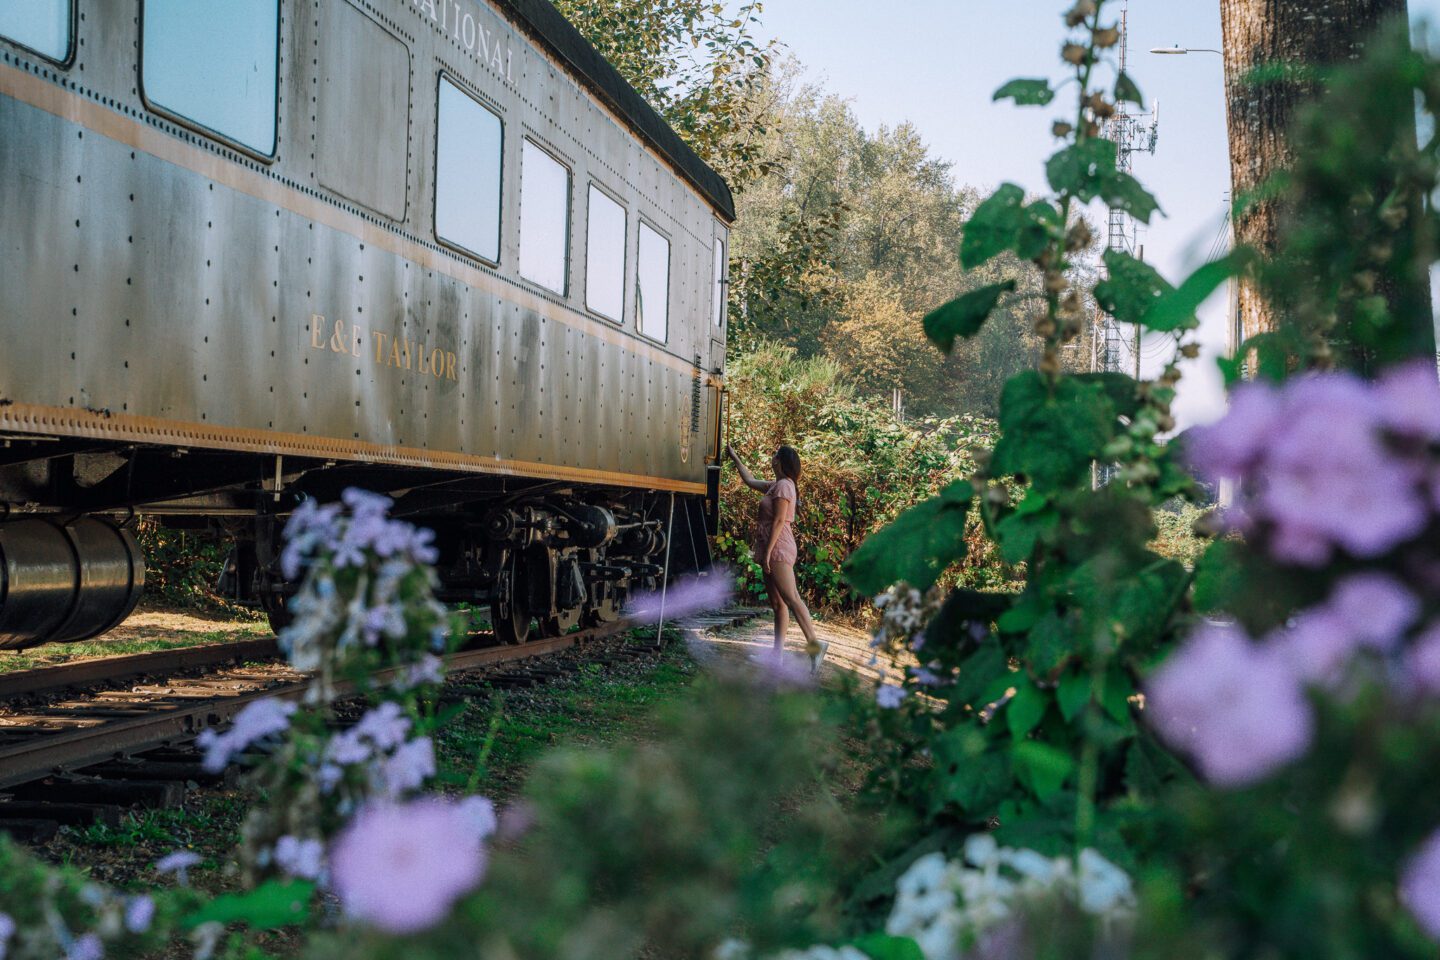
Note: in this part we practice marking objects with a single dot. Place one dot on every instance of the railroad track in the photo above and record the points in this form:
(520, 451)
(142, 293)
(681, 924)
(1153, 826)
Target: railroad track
(78, 745)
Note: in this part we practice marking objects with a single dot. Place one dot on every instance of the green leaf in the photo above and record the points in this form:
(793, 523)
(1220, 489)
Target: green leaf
(1026, 92)
(963, 316)
(974, 781)
(1131, 288)
(994, 226)
(1220, 576)
(1025, 710)
(882, 946)
(977, 673)
(1122, 389)
(1127, 91)
(1176, 310)
(1123, 192)
(1018, 533)
(1042, 767)
(1114, 697)
(1050, 641)
(1051, 435)
(274, 904)
(1082, 168)
(1073, 694)
(916, 547)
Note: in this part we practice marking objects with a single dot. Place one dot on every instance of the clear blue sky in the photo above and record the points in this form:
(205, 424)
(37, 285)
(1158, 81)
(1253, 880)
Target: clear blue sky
(935, 63)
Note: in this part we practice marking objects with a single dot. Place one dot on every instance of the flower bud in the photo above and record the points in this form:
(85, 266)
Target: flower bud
(1070, 306)
(1079, 237)
(1078, 13)
(1365, 280)
(1044, 326)
(1100, 107)
(1055, 281)
(1050, 363)
(1107, 37)
(1166, 423)
(1062, 129)
(1190, 351)
(1074, 53)
(1092, 129)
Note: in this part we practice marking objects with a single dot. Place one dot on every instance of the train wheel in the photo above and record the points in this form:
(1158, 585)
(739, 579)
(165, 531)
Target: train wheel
(514, 627)
(606, 611)
(560, 625)
(277, 611)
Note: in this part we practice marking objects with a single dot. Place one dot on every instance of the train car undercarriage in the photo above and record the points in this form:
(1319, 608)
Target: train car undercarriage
(543, 554)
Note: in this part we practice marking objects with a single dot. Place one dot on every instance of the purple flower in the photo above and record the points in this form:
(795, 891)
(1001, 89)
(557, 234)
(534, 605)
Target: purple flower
(889, 696)
(88, 947)
(1420, 886)
(299, 858)
(1410, 400)
(402, 867)
(1229, 448)
(481, 811)
(363, 503)
(926, 676)
(429, 669)
(1376, 607)
(421, 545)
(178, 863)
(408, 767)
(1319, 645)
(139, 913)
(1422, 661)
(1238, 709)
(386, 726)
(258, 720)
(780, 669)
(7, 930)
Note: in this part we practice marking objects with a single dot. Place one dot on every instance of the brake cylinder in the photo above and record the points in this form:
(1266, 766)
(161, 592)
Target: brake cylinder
(63, 581)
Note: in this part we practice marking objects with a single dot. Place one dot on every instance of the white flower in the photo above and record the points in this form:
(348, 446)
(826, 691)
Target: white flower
(139, 912)
(731, 949)
(981, 850)
(299, 858)
(1104, 887)
(178, 863)
(7, 930)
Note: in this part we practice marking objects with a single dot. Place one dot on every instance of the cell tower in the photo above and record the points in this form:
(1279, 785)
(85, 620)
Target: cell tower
(1132, 134)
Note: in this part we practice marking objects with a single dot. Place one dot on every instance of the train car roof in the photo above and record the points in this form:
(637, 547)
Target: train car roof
(560, 36)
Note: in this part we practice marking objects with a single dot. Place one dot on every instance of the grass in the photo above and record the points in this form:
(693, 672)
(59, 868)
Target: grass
(51, 654)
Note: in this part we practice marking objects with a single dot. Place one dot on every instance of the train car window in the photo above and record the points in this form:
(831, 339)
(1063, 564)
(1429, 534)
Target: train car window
(467, 174)
(544, 217)
(605, 256)
(652, 285)
(717, 285)
(364, 92)
(41, 25)
(213, 62)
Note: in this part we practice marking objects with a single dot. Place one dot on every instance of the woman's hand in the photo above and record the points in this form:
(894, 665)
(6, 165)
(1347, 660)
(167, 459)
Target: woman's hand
(766, 564)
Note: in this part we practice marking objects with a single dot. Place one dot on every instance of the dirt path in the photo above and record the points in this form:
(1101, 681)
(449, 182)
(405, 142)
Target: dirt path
(714, 643)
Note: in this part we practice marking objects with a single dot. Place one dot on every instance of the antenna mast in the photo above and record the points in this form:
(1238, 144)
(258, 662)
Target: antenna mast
(1131, 134)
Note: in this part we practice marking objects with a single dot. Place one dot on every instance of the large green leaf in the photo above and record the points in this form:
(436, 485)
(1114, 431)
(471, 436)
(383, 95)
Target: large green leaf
(882, 946)
(1051, 433)
(1049, 641)
(1122, 389)
(916, 547)
(970, 776)
(1042, 767)
(1124, 192)
(1131, 288)
(1025, 710)
(1126, 91)
(1026, 92)
(963, 316)
(1073, 694)
(978, 672)
(1176, 310)
(1082, 168)
(994, 226)
(274, 904)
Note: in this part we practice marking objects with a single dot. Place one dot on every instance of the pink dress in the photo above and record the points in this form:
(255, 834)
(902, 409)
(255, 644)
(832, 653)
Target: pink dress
(785, 552)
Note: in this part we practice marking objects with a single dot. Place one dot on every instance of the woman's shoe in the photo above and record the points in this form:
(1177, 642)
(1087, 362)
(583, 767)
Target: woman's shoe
(818, 657)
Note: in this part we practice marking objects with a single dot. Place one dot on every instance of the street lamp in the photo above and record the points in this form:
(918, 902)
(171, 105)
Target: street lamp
(1181, 51)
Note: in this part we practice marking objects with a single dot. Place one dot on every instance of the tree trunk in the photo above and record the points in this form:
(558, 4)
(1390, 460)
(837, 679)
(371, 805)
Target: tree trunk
(1279, 33)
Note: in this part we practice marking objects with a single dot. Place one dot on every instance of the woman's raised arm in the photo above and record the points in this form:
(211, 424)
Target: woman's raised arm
(746, 476)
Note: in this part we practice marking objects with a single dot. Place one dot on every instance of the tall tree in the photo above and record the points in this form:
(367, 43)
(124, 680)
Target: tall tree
(1274, 52)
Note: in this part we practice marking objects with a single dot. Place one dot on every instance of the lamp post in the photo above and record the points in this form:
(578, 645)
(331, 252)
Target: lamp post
(1181, 51)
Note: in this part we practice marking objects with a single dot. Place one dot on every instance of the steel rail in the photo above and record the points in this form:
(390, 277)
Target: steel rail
(49, 754)
(100, 669)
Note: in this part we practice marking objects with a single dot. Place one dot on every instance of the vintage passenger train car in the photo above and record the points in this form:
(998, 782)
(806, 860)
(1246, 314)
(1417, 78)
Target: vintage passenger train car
(254, 251)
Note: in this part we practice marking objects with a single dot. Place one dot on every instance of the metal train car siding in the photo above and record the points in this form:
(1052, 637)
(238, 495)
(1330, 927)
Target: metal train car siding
(257, 251)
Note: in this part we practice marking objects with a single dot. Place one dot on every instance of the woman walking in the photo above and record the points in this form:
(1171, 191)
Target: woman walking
(774, 546)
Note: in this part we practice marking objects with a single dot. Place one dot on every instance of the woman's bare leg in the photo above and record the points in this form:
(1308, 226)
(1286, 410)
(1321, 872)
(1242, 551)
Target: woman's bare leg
(777, 604)
(782, 575)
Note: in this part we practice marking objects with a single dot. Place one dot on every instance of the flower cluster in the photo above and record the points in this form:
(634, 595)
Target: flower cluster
(402, 867)
(1328, 464)
(973, 909)
(378, 752)
(904, 612)
(367, 582)
(113, 918)
(256, 722)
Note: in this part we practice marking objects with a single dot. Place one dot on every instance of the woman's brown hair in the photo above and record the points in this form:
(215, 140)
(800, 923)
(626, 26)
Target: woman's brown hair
(787, 461)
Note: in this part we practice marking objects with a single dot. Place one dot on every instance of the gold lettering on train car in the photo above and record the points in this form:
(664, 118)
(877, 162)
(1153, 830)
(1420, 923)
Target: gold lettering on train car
(338, 341)
(421, 358)
(437, 363)
(317, 335)
(449, 365)
(379, 339)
